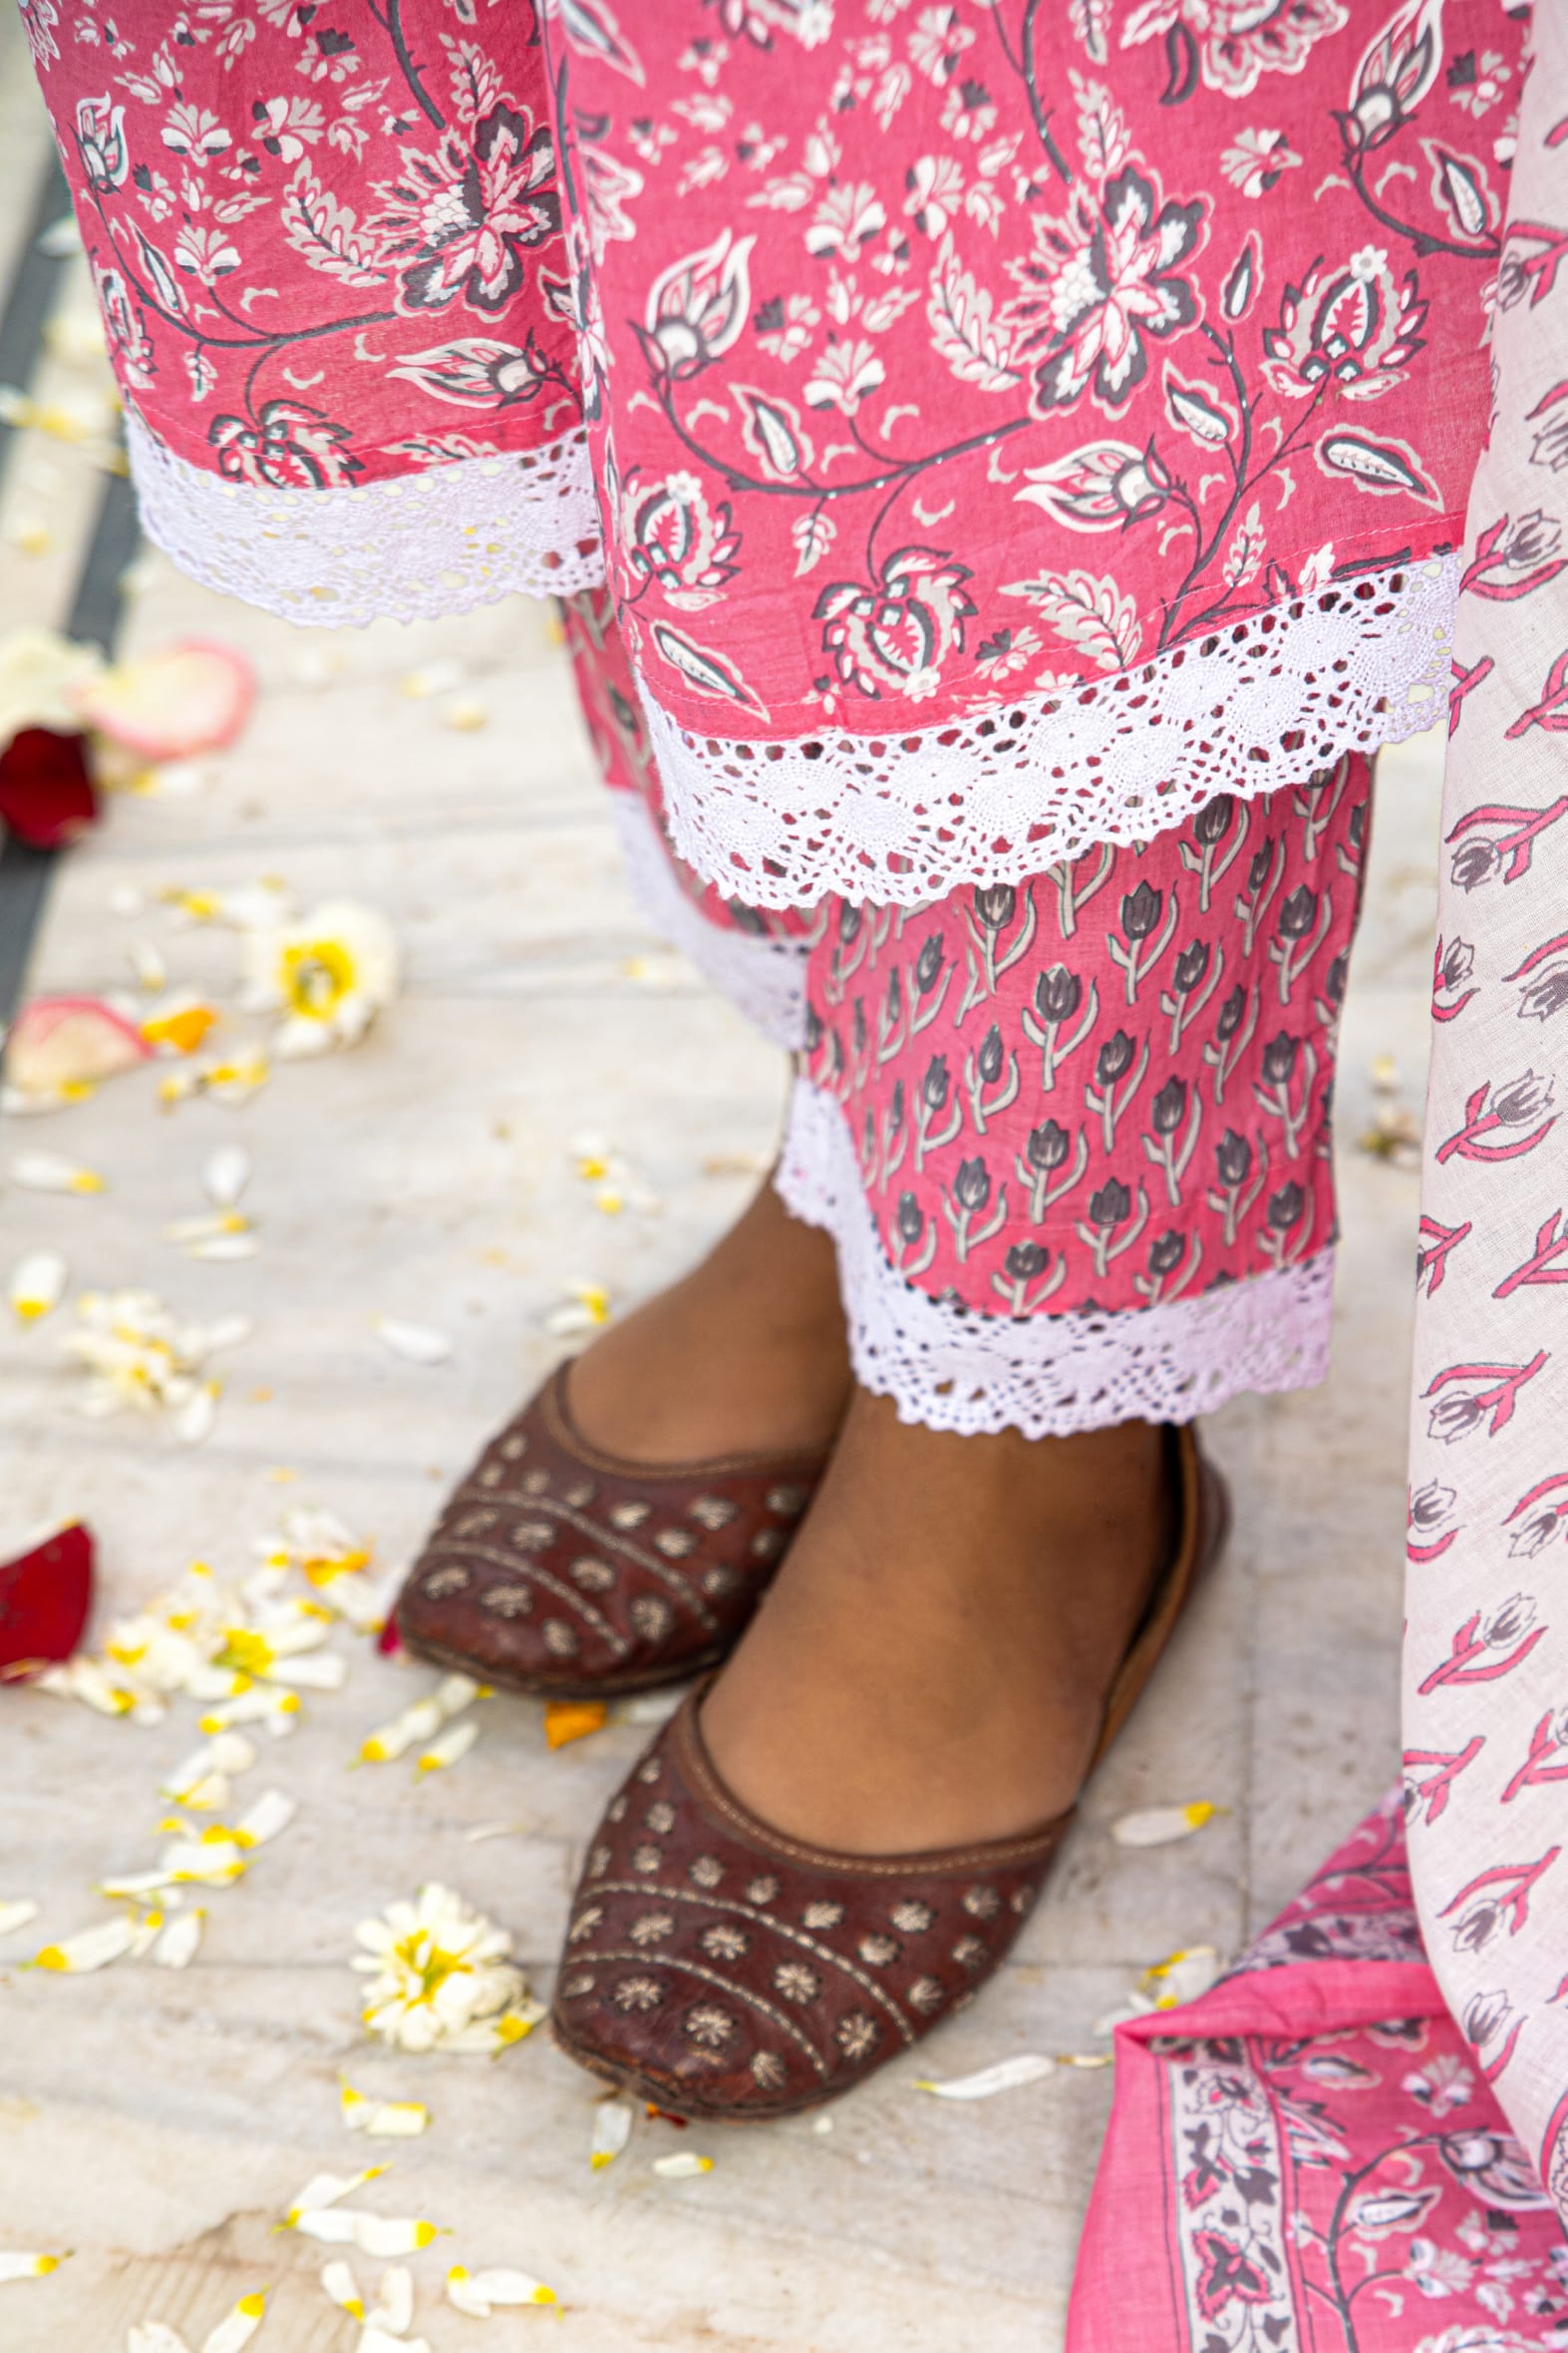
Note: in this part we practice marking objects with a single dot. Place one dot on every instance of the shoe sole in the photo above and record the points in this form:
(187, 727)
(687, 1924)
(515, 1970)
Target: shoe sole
(550, 1686)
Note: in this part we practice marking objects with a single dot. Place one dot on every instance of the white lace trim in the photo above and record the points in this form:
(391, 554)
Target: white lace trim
(908, 817)
(409, 549)
(1046, 1375)
(763, 978)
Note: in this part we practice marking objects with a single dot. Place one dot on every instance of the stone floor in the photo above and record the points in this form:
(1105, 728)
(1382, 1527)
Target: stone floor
(158, 2123)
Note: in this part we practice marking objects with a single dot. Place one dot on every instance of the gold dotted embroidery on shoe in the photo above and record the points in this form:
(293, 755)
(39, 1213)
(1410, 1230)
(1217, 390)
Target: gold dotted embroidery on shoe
(768, 1544)
(767, 2070)
(651, 1929)
(724, 1942)
(590, 1576)
(787, 1502)
(441, 1583)
(819, 1915)
(676, 1544)
(651, 1617)
(637, 1993)
(660, 1817)
(629, 1515)
(712, 1513)
(969, 1952)
(924, 1995)
(579, 1494)
(879, 1951)
(761, 1892)
(982, 1903)
(911, 1916)
(559, 1639)
(531, 1535)
(645, 1859)
(706, 1871)
(796, 1982)
(709, 2026)
(475, 1524)
(856, 2034)
(507, 1601)
(515, 1447)
(536, 1483)
(585, 1923)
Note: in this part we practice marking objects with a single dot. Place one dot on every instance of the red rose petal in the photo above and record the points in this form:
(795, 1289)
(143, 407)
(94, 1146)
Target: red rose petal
(45, 1596)
(390, 1642)
(46, 794)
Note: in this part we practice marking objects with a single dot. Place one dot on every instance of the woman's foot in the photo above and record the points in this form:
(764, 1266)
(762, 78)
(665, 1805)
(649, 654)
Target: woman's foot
(930, 1666)
(746, 1354)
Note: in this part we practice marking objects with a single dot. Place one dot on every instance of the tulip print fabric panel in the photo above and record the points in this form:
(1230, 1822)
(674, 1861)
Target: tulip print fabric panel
(1486, 1650)
(1310, 2155)
(1108, 1086)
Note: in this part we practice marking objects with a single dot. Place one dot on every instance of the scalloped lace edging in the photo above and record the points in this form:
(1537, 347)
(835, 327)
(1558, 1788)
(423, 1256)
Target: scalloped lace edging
(410, 549)
(913, 814)
(1044, 1374)
(762, 979)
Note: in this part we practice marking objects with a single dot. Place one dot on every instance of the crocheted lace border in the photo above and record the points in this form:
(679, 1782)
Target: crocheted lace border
(1044, 1374)
(762, 979)
(913, 814)
(410, 549)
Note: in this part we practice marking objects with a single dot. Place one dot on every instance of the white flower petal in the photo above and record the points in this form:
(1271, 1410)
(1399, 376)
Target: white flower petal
(373, 2235)
(341, 2285)
(449, 1749)
(89, 1948)
(37, 1284)
(373, 2339)
(1031, 2067)
(683, 2165)
(51, 1171)
(477, 2292)
(239, 2327)
(419, 1343)
(194, 1419)
(14, 2264)
(156, 2336)
(16, 1913)
(382, 2120)
(1158, 1825)
(176, 1944)
(393, 2300)
(612, 2128)
(225, 1175)
(1182, 1977)
(271, 1813)
(326, 2190)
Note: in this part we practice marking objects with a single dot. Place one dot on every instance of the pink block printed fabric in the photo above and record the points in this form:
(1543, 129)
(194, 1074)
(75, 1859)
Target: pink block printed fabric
(1311, 2159)
(1486, 1654)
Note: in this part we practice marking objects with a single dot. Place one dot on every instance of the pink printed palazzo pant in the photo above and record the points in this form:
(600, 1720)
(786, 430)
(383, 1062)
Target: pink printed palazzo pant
(1008, 465)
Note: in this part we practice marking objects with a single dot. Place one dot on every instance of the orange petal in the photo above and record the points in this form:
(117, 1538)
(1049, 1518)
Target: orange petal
(183, 1030)
(573, 1719)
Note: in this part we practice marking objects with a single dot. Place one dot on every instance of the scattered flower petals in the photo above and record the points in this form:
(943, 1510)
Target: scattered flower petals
(382, 2120)
(45, 1596)
(202, 1779)
(180, 1025)
(325, 2189)
(51, 1171)
(59, 1046)
(452, 1747)
(239, 2327)
(479, 2293)
(683, 2165)
(46, 794)
(441, 1976)
(1180, 1977)
(138, 1355)
(90, 1948)
(1158, 1825)
(340, 2284)
(329, 973)
(573, 1719)
(16, 2266)
(419, 1343)
(1031, 2067)
(15, 1913)
(185, 698)
(394, 2307)
(375, 2339)
(612, 2128)
(37, 1284)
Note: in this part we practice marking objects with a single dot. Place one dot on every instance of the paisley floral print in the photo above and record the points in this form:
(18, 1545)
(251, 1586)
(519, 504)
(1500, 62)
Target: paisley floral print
(1313, 2155)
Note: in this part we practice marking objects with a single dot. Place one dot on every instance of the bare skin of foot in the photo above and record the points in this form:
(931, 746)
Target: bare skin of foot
(746, 1355)
(931, 1666)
